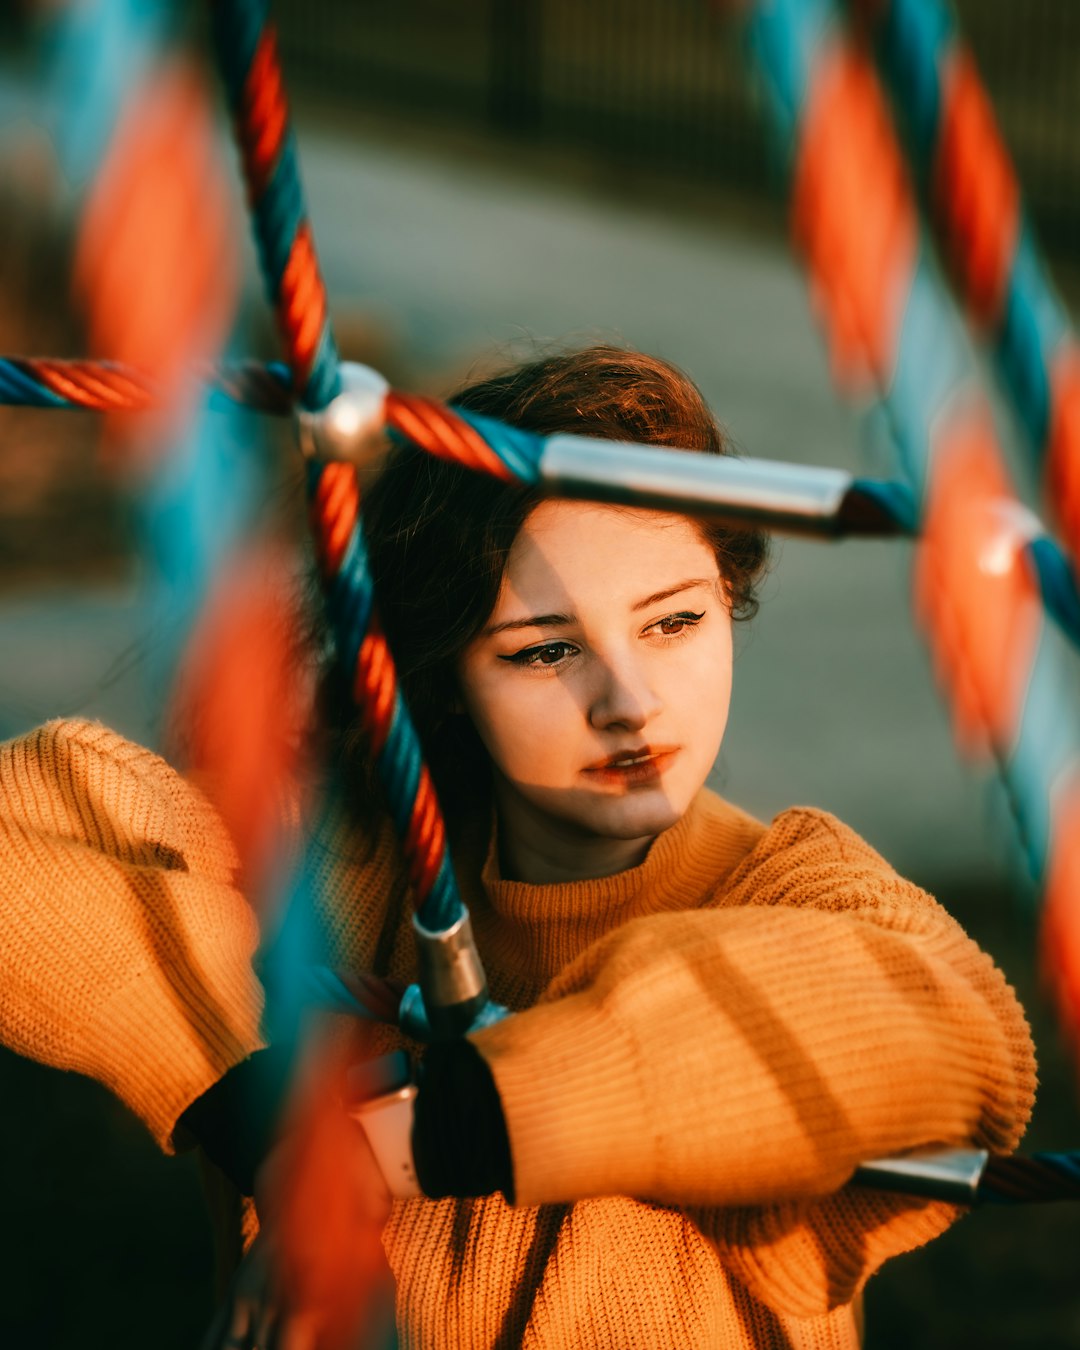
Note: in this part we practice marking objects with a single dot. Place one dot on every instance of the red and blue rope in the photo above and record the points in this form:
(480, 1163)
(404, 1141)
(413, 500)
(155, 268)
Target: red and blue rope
(247, 52)
(111, 386)
(965, 170)
(892, 326)
(246, 43)
(1039, 1178)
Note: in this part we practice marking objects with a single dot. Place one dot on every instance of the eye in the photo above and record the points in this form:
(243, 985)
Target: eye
(548, 654)
(671, 625)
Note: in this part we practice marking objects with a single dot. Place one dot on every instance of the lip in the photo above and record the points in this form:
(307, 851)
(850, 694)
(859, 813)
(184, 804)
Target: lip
(634, 766)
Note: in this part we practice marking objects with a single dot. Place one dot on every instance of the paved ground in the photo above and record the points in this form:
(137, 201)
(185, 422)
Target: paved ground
(460, 261)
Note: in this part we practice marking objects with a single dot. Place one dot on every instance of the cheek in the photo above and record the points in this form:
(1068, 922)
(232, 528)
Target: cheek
(706, 696)
(528, 728)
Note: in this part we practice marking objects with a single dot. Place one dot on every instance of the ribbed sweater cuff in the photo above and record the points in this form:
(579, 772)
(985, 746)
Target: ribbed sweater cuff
(580, 1057)
(169, 1051)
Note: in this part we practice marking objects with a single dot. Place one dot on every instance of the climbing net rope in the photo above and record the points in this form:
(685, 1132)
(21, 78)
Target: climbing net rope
(991, 574)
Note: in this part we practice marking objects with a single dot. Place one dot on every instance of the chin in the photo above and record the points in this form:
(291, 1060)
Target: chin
(628, 819)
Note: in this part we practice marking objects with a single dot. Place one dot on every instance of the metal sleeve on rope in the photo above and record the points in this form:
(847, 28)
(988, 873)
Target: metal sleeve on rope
(939, 1173)
(975, 1177)
(452, 981)
(792, 497)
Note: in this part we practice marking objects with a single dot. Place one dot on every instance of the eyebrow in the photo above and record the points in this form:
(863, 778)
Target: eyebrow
(692, 585)
(565, 620)
(534, 621)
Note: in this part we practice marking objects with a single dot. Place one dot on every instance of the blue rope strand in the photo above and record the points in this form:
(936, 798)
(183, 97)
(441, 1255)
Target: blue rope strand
(1057, 583)
(519, 450)
(16, 387)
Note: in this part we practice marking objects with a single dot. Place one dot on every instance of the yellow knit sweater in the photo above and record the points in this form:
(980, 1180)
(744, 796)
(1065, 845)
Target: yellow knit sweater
(707, 1046)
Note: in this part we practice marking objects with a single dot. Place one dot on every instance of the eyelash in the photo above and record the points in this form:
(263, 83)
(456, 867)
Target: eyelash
(530, 656)
(685, 618)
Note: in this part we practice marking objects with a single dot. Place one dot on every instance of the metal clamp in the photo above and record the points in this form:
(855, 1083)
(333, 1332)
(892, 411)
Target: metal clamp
(452, 995)
(352, 426)
(792, 497)
(939, 1173)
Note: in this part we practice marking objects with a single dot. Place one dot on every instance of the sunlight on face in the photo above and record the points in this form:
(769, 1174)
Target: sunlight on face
(600, 685)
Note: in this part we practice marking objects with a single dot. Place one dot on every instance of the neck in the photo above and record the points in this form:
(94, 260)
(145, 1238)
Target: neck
(541, 851)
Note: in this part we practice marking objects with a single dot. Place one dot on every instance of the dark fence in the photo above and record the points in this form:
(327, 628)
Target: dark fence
(651, 81)
(663, 82)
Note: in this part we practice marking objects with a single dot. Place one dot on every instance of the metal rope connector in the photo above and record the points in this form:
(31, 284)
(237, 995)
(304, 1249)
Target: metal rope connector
(452, 996)
(352, 426)
(939, 1173)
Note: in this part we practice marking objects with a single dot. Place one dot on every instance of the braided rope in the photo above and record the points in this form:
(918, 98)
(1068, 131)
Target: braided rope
(100, 51)
(1038, 1179)
(343, 561)
(124, 98)
(964, 167)
(891, 325)
(1011, 682)
(110, 386)
(102, 386)
(246, 45)
(476, 442)
(482, 444)
(465, 438)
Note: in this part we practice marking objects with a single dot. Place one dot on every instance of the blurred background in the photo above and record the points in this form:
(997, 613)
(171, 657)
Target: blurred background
(486, 178)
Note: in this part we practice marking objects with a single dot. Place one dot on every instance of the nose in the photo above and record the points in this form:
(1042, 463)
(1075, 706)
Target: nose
(623, 696)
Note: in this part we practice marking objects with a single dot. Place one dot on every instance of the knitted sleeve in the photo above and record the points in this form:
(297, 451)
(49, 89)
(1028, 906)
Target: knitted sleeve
(125, 946)
(740, 1061)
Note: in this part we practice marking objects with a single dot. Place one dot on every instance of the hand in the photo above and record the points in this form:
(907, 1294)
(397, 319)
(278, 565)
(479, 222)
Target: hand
(317, 1277)
(249, 1316)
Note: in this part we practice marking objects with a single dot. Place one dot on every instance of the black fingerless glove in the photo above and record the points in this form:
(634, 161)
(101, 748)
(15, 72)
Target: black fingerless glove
(459, 1141)
(236, 1120)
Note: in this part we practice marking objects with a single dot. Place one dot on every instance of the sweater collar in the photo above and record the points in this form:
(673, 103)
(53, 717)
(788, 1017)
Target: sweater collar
(531, 931)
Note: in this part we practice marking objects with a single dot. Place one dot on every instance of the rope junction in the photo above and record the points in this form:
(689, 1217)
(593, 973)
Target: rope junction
(889, 324)
(793, 498)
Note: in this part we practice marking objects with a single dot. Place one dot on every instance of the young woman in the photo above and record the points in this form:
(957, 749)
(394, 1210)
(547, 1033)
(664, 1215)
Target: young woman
(715, 1020)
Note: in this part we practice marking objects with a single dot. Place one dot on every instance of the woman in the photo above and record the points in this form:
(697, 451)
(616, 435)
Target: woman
(715, 1020)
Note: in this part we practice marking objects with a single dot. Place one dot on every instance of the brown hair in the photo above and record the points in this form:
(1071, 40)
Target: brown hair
(439, 535)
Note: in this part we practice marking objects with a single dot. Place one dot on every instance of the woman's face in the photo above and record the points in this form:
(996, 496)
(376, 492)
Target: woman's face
(600, 685)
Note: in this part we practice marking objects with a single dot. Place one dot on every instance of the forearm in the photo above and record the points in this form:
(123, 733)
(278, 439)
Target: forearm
(745, 1056)
(459, 1144)
(139, 980)
(125, 947)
